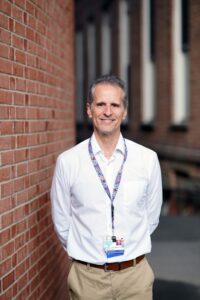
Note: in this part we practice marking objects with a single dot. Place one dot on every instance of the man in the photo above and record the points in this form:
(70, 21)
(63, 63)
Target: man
(106, 199)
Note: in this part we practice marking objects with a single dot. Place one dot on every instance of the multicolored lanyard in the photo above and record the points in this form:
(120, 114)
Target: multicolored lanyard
(103, 180)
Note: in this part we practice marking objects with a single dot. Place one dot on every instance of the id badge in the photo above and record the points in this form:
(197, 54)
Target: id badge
(113, 246)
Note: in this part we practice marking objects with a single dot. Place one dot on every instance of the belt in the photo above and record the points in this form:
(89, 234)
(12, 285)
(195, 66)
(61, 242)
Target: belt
(115, 266)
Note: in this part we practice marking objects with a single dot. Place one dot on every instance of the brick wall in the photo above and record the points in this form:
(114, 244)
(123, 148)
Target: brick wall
(36, 123)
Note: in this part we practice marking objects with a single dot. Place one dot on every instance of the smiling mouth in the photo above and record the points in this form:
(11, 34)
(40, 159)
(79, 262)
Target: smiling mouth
(107, 120)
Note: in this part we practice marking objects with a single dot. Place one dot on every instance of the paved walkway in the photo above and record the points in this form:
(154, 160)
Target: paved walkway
(175, 258)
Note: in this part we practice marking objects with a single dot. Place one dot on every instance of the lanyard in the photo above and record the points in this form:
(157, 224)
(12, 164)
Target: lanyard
(103, 180)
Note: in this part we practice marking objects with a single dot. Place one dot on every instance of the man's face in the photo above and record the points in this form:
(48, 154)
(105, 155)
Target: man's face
(107, 109)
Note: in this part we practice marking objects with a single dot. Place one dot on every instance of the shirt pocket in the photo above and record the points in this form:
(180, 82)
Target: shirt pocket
(134, 193)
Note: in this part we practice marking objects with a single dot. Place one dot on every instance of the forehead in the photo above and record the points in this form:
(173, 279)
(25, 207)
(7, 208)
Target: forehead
(103, 91)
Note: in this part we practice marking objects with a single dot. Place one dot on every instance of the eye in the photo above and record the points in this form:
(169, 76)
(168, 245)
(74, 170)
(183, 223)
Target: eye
(100, 104)
(115, 105)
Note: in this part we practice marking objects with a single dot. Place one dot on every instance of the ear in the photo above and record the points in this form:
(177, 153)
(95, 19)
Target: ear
(125, 114)
(88, 108)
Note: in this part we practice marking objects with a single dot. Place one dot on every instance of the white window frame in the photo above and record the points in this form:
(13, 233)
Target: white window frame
(124, 40)
(180, 107)
(105, 43)
(148, 69)
(91, 51)
(79, 77)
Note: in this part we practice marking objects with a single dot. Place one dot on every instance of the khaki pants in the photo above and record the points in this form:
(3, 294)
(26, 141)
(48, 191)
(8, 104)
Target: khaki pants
(88, 283)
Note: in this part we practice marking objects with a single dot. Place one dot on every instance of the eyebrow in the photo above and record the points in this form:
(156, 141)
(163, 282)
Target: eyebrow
(103, 102)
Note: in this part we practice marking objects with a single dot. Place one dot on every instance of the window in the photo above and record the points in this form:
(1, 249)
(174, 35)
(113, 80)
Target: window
(180, 63)
(148, 68)
(79, 77)
(105, 44)
(91, 51)
(124, 41)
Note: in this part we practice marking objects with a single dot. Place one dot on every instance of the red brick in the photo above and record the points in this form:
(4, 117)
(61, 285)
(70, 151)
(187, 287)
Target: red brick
(18, 228)
(21, 197)
(19, 29)
(12, 83)
(20, 155)
(4, 51)
(32, 113)
(30, 60)
(22, 282)
(18, 41)
(5, 36)
(5, 173)
(8, 280)
(6, 142)
(6, 97)
(30, 7)
(20, 56)
(19, 127)
(33, 271)
(6, 127)
(5, 112)
(7, 219)
(21, 253)
(6, 190)
(19, 213)
(20, 241)
(36, 126)
(37, 152)
(11, 24)
(31, 22)
(4, 21)
(18, 70)
(5, 7)
(8, 293)
(41, 28)
(20, 84)
(17, 13)
(19, 184)
(19, 98)
(33, 191)
(5, 267)
(30, 34)
(24, 294)
(20, 3)
(5, 66)
(21, 112)
(22, 169)
(7, 157)
(4, 82)
(22, 141)
(14, 288)
(7, 250)
(5, 236)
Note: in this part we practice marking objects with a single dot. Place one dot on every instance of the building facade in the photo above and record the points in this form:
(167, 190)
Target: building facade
(154, 46)
(36, 124)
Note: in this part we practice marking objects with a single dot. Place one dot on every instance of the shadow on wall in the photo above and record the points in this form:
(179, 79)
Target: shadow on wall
(173, 290)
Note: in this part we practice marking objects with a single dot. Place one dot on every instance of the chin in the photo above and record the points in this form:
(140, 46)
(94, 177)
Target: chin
(106, 133)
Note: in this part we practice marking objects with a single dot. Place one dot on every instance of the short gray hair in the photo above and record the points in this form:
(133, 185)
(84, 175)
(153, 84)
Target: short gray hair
(108, 79)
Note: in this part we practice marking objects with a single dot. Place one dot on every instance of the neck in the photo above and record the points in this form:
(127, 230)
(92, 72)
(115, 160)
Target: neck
(107, 143)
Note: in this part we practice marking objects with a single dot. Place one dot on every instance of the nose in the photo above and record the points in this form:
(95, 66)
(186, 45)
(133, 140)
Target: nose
(107, 111)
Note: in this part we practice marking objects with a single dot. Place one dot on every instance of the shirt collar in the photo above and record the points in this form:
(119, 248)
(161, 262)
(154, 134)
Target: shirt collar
(119, 147)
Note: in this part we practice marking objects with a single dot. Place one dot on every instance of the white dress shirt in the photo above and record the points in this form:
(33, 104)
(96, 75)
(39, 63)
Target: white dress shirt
(81, 209)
